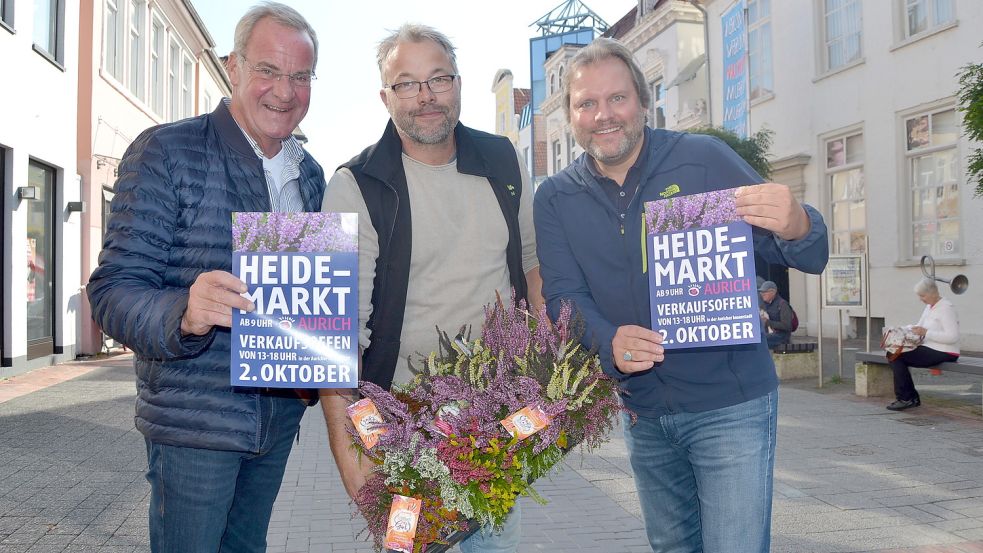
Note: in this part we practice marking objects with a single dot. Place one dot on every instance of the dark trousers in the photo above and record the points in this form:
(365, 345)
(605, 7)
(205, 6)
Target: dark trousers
(776, 339)
(904, 387)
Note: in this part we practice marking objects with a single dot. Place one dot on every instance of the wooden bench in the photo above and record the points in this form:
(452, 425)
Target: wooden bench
(796, 361)
(874, 377)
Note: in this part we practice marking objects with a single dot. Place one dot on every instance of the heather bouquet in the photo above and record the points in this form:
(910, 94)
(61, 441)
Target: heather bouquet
(481, 420)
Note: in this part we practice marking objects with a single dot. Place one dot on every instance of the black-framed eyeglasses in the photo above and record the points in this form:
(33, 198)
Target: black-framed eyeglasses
(409, 89)
(302, 79)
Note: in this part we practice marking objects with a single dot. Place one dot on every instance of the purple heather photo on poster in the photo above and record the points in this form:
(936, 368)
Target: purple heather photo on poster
(301, 270)
(702, 284)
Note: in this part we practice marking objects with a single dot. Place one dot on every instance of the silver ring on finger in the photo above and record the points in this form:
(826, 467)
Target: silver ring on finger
(626, 356)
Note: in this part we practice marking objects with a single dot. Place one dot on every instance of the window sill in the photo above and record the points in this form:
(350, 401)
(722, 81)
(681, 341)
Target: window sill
(923, 35)
(7, 27)
(125, 92)
(762, 99)
(47, 55)
(840, 69)
(947, 262)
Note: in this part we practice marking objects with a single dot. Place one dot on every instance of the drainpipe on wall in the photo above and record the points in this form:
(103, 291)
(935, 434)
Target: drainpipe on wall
(706, 51)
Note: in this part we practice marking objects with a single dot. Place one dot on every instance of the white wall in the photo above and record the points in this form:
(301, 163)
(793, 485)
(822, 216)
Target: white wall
(38, 114)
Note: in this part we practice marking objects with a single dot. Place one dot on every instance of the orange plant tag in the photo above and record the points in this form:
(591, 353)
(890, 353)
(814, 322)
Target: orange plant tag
(403, 516)
(365, 417)
(525, 422)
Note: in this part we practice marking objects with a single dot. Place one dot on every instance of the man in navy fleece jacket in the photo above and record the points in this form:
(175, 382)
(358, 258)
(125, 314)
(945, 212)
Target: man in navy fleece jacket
(703, 446)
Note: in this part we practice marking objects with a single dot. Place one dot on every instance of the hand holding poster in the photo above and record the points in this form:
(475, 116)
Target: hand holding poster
(301, 273)
(702, 285)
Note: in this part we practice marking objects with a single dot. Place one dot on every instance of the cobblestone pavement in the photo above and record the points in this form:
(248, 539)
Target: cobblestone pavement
(850, 476)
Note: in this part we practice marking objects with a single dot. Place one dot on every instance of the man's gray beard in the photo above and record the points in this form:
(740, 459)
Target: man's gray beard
(439, 135)
(624, 147)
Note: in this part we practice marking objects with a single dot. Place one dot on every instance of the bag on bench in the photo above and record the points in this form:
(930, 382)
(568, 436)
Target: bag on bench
(899, 339)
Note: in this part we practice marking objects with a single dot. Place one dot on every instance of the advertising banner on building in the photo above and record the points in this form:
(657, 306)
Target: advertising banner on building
(735, 66)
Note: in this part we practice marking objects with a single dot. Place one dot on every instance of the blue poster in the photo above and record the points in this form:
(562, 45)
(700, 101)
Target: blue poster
(301, 270)
(702, 285)
(734, 29)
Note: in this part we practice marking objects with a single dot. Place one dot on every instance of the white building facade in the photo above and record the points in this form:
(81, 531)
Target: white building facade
(143, 63)
(40, 281)
(667, 40)
(861, 96)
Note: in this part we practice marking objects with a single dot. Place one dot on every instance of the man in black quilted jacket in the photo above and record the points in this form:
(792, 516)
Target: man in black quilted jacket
(216, 454)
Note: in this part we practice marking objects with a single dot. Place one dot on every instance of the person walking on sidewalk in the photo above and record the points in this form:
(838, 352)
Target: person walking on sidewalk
(939, 328)
(703, 448)
(216, 454)
(445, 223)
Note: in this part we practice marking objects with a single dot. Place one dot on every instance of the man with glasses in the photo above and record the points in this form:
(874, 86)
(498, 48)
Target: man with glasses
(445, 222)
(216, 454)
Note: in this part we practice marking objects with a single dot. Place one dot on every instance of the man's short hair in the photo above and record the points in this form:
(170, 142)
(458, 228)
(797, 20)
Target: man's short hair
(601, 49)
(280, 13)
(413, 32)
(767, 285)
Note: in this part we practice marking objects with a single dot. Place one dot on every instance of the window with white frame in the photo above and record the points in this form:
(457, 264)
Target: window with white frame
(847, 199)
(842, 33)
(657, 111)
(138, 9)
(920, 16)
(933, 176)
(113, 45)
(174, 82)
(7, 12)
(187, 91)
(557, 156)
(759, 47)
(157, 56)
(48, 28)
(571, 145)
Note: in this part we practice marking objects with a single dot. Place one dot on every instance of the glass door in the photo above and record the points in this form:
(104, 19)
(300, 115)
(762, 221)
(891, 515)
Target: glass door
(40, 262)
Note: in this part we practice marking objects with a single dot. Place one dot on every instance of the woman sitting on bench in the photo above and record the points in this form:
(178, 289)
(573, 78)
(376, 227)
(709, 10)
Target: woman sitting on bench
(940, 329)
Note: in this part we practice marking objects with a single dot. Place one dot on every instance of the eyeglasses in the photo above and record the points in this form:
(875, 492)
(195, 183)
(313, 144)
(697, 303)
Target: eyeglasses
(410, 89)
(302, 79)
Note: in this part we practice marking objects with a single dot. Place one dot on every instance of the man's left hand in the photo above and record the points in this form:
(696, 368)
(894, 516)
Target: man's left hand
(772, 206)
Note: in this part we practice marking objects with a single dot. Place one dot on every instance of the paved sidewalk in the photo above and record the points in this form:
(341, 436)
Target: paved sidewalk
(850, 476)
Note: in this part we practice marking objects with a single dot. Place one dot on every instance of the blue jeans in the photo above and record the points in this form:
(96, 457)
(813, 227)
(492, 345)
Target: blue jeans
(208, 501)
(705, 479)
(506, 541)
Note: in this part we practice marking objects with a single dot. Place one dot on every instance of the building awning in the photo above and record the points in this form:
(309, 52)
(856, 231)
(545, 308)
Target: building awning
(688, 73)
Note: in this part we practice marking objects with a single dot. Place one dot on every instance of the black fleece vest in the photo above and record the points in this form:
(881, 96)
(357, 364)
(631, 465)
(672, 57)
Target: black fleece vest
(378, 170)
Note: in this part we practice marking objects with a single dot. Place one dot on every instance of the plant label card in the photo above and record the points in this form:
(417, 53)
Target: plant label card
(301, 270)
(702, 284)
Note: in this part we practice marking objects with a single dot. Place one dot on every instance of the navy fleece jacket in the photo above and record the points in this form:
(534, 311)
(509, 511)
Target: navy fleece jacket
(592, 257)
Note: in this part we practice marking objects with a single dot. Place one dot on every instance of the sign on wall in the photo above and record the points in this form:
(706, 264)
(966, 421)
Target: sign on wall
(843, 281)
